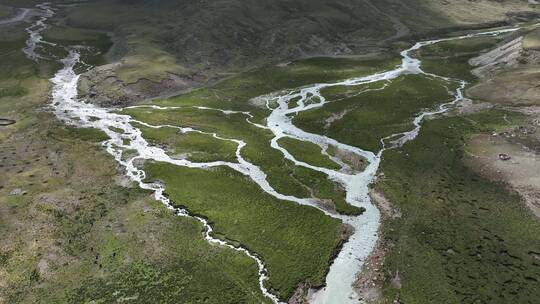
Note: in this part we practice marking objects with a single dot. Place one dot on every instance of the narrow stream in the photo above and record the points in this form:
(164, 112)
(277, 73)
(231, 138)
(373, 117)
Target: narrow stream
(125, 136)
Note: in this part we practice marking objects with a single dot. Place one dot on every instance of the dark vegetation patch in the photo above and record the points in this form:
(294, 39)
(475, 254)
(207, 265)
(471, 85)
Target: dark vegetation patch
(93, 45)
(295, 242)
(234, 93)
(307, 152)
(466, 238)
(451, 58)
(72, 133)
(376, 114)
(325, 189)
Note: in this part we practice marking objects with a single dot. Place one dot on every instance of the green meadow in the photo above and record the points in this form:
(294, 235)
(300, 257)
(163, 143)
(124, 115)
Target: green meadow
(461, 238)
(295, 242)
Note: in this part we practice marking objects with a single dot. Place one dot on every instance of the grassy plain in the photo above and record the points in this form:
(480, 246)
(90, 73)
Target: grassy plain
(475, 240)
(91, 239)
(184, 185)
(296, 242)
(307, 152)
(282, 174)
(467, 238)
(197, 147)
(234, 93)
(122, 263)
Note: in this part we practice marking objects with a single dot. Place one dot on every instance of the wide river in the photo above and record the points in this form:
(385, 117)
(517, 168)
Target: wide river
(125, 136)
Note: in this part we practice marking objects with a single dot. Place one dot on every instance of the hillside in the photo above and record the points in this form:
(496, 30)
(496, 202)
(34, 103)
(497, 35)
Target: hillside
(162, 47)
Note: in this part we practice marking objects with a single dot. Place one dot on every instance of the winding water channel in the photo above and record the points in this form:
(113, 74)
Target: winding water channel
(125, 136)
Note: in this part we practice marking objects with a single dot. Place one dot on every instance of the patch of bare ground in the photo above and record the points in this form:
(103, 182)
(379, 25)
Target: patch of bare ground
(509, 77)
(299, 296)
(351, 162)
(370, 280)
(500, 157)
(335, 117)
(509, 74)
(519, 86)
(468, 107)
(500, 57)
(468, 12)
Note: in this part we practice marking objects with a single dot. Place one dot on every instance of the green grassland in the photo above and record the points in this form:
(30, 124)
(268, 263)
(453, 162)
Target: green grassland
(257, 151)
(98, 41)
(103, 242)
(202, 148)
(84, 232)
(296, 242)
(282, 174)
(403, 98)
(376, 114)
(461, 239)
(451, 58)
(85, 134)
(198, 147)
(232, 218)
(234, 93)
(307, 152)
(77, 235)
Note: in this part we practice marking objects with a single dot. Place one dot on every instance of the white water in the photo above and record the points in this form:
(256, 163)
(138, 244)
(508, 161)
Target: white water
(345, 268)
(34, 31)
(125, 136)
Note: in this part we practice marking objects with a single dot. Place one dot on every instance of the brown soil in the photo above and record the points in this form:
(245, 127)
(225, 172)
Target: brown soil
(518, 86)
(483, 155)
(103, 87)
